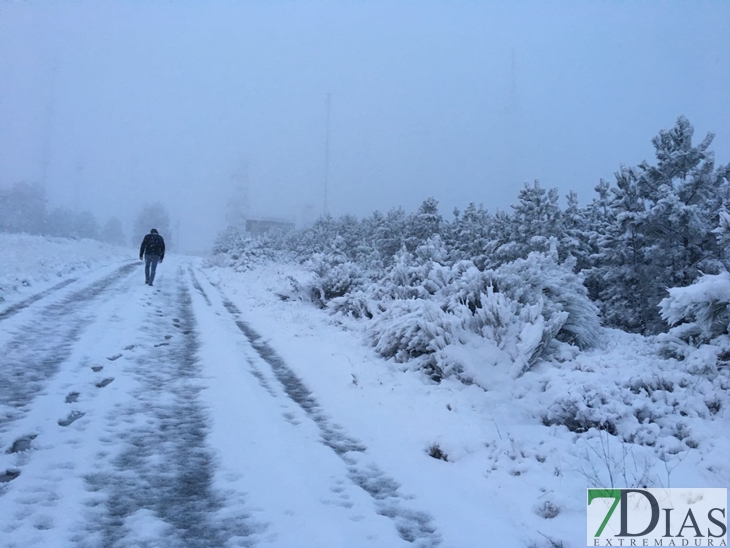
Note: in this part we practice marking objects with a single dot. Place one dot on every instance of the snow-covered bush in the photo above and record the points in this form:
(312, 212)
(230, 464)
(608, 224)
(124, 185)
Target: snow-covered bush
(332, 276)
(540, 279)
(423, 306)
(653, 403)
(241, 252)
(494, 317)
(410, 278)
(593, 407)
(358, 304)
(410, 328)
(700, 312)
(525, 307)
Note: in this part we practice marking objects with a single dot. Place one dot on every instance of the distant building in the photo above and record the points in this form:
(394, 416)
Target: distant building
(259, 227)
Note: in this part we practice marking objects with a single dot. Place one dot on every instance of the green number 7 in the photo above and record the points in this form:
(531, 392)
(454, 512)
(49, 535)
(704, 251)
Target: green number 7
(614, 494)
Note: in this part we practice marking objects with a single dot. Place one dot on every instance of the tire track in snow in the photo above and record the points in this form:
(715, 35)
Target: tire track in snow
(413, 526)
(198, 287)
(163, 477)
(31, 358)
(20, 305)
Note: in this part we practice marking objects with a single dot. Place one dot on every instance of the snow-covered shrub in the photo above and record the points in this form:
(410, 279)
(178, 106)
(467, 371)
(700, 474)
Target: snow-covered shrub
(700, 318)
(519, 329)
(332, 276)
(653, 404)
(495, 317)
(410, 328)
(357, 304)
(547, 509)
(241, 252)
(525, 308)
(593, 407)
(609, 462)
(541, 279)
(700, 312)
(410, 278)
(515, 289)
(434, 451)
(537, 335)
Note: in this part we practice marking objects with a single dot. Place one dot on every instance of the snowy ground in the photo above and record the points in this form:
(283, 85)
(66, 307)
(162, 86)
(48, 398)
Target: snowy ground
(32, 264)
(205, 411)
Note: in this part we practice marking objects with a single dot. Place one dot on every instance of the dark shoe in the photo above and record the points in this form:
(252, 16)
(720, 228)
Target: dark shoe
(150, 284)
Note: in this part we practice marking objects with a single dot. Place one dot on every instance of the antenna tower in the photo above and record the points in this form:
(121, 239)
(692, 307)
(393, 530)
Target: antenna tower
(327, 155)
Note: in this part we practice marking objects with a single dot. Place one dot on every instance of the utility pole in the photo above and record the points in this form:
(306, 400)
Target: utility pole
(513, 131)
(327, 155)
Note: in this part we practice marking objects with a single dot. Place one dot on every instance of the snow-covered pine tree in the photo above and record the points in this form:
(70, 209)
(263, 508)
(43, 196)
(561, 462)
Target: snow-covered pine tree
(620, 268)
(390, 234)
(722, 233)
(681, 197)
(659, 227)
(576, 234)
(500, 246)
(536, 218)
(598, 215)
(424, 224)
(469, 235)
(700, 313)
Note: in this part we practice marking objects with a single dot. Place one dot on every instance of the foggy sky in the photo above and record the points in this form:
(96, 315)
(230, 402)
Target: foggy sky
(116, 104)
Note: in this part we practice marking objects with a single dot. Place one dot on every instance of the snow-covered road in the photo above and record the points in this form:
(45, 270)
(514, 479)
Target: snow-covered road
(138, 416)
(208, 412)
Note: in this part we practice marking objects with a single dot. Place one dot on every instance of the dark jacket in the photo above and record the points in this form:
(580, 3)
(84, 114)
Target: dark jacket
(153, 244)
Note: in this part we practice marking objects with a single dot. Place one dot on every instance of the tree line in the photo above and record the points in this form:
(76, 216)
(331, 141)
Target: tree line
(653, 228)
(24, 209)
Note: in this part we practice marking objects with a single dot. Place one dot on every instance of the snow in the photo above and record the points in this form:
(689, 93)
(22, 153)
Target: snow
(705, 301)
(236, 418)
(31, 264)
(493, 431)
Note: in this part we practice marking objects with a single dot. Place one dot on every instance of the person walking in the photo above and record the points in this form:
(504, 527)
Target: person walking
(153, 250)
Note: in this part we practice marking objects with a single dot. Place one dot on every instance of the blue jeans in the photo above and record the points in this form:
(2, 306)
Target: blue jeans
(150, 267)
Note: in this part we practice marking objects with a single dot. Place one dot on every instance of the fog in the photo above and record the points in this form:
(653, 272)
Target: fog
(114, 105)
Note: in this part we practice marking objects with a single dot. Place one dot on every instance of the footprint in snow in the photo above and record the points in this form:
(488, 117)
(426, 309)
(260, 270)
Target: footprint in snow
(72, 397)
(105, 382)
(130, 347)
(9, 475)
(162, 344)
(291, 419)
(115, 357)
(72, 417)
(97, 368)
(168, 337)
(22, 444)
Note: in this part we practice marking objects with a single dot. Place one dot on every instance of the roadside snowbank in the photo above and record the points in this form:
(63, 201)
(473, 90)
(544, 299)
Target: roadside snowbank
(34, 263)
(505, 458)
